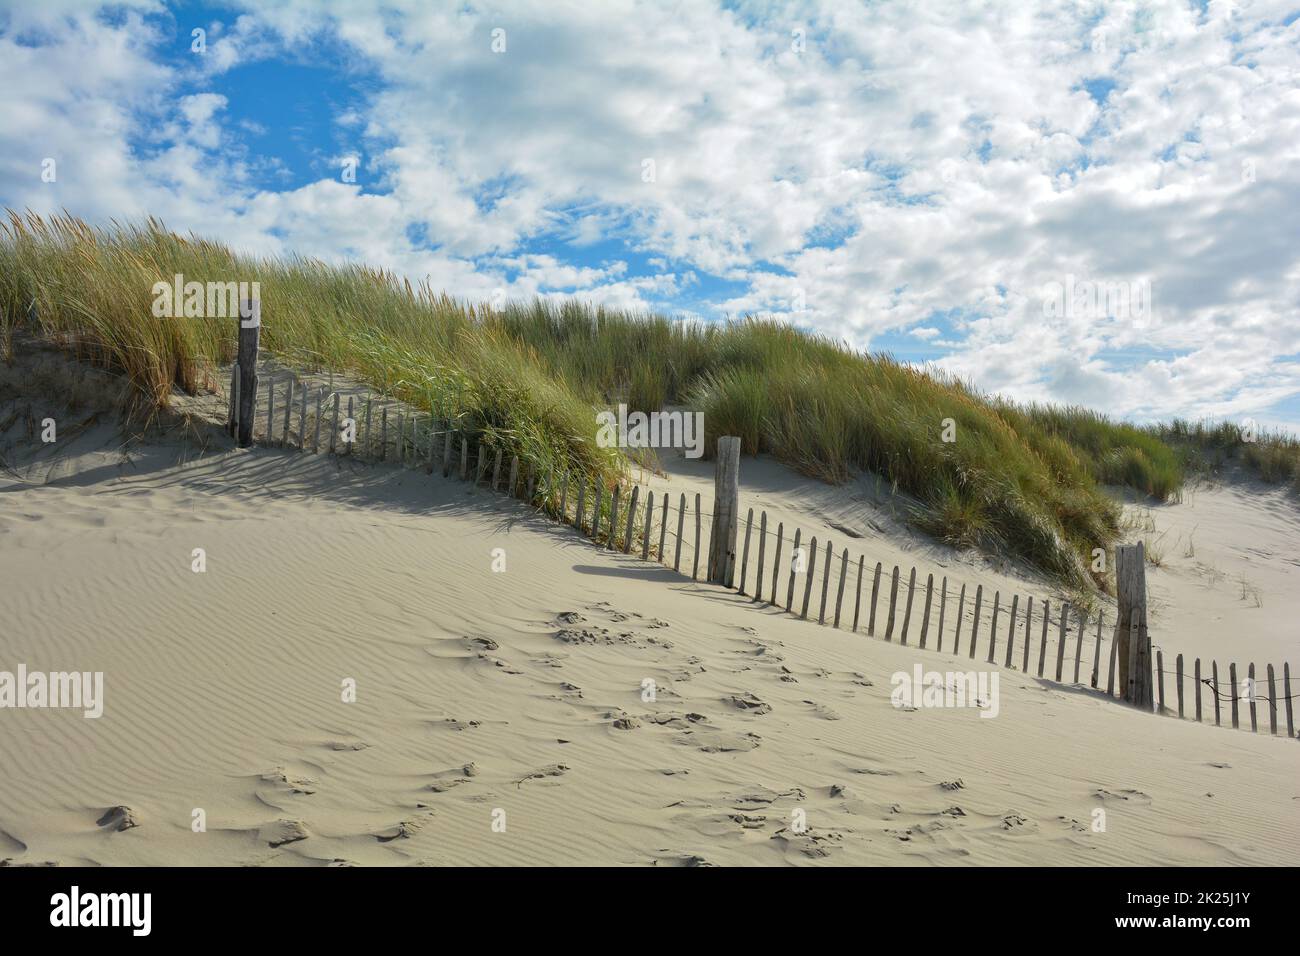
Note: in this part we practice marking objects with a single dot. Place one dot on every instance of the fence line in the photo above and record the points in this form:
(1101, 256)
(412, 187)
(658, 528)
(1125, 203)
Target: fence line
(549, 493)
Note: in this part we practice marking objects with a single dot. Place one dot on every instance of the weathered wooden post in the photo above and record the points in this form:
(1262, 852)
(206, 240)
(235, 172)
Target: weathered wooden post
(1254, 693)
(631, 519)
(1286, 692)
(1133, 658)
(907, 611)
(663, 527)
(1011, 630)
(993, 628)
(1197, 680)
(808, 578)
(773, 598)
(726, 512)
(250, 328)
(744, 554)
(1236, 711)
(1272, 702)
(1178, 676)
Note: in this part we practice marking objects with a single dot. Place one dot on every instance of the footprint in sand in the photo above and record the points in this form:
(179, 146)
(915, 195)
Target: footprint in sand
(403, 831)
(551, 770)
(281, 780)
(447, 779)
(720, 742)
(118, 819)
(822, 711)
(748, 703)
(1136, 796)
(278, 833)
(811, 843)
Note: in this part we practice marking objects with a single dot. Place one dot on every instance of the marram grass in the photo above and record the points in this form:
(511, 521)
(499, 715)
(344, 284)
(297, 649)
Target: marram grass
(1022, 481)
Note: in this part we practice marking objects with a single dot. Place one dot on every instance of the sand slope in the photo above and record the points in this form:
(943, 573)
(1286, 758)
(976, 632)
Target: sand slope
(522, 692)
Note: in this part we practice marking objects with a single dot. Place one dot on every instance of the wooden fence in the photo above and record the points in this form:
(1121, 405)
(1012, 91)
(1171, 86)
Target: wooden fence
(812, 579)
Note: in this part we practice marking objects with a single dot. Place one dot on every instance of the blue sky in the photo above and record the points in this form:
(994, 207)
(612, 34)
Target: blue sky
(915, 179)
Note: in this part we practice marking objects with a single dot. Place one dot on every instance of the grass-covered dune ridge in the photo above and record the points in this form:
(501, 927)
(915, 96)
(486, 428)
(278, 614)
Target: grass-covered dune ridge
(1021, 480)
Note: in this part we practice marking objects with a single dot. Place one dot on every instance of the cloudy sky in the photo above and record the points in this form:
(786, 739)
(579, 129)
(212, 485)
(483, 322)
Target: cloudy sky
(925, 178)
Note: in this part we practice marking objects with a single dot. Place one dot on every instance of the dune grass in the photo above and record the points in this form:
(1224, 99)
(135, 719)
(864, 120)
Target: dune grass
(1022, 481)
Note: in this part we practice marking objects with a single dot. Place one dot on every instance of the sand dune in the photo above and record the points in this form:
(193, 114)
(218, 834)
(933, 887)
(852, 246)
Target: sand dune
(519, 697)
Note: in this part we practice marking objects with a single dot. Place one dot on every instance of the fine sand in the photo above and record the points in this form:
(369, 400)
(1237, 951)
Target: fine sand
(503, 717)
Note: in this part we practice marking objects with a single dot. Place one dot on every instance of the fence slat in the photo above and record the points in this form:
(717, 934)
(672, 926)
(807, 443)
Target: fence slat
(1255, 693)
(579, 519)
(794, 560)
(232, 404)
(993, 627)
(302, 421)
(1178, 675)
(270, 413)
(1286, 692)
(875, 590)
(943, 610)
(1096, 656)
(649, 521)
(961, 615)
(1042, 647)
(826, 583)
(1011, 630)
(595, 515)
(839, 594)
(695, 572)
(857, 600)
(1232, 678)
(352, 445)
(315, 442)
(1114, 657)
(613, 519)
(1160, 686)
(907, 613)
(464, 456)
(744, 551)
(773, 597)
(1078, 643)
(681, 517)
(564, 493)
(808, 578)
(1272, 702)
(663, 527)
(1029, 634)
(334, 435)
(893, 601)
(975, 625)
(1214, 685)
(762, 552)
(1196, 674)
(632, 519)
(288, 410)
(1060, 641)
(925, 614)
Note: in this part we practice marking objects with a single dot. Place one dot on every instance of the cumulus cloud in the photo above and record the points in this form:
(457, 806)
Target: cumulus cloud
(934, 170)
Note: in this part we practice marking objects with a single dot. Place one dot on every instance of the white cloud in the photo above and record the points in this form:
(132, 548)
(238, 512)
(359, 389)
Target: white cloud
(912, 159)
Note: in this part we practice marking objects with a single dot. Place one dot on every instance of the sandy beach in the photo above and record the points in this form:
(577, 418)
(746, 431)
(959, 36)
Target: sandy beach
(577, 707)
